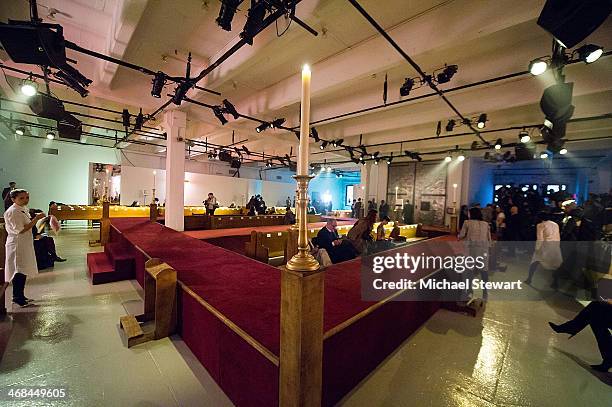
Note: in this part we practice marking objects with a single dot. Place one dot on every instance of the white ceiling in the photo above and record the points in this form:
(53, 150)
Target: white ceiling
(349, 61)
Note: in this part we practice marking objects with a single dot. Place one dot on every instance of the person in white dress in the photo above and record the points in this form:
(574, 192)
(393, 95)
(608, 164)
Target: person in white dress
(20, 257)
(547, 252)
(477, 233)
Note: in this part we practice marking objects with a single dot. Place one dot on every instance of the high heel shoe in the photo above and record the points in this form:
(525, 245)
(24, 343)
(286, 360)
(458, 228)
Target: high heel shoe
(560, 329)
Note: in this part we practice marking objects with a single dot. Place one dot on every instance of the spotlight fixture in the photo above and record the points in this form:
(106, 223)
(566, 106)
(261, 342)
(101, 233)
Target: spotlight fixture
(254, 21)
(474, 145)
(447, 73)
(498, 144)
(589, 53)
(50, 135)
(460, 157)
(262, 127)
(524, 137)
(374, 155)
(482, 121)
(139, 121)
(376, 161)
(450, 125)
(407, 87)
(487, 155)
(125, 116)
(538, 66)
(448, 158)
(315, 134)
(563, 151)
(226, 13)
(544, 155)
(218, 111)
(29, 87)
(20, 131)
(276, 123)
(74, 83)
(390, 158)
(324, 144)
(439, 128)
(246, 150)
(158, 84)
(180, 92)
(230, 109)
(337, 143)
(362, 158)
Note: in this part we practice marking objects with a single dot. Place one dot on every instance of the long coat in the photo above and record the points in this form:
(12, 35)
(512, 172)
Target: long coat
(20, 256)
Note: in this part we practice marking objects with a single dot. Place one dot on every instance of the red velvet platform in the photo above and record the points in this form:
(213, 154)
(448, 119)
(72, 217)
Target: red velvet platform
(228, 300)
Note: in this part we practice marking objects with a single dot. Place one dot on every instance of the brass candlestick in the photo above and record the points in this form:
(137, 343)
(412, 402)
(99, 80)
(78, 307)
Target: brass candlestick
(303, 260)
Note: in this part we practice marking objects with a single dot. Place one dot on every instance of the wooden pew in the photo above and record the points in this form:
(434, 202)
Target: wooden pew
(159, 317)
(267, 246)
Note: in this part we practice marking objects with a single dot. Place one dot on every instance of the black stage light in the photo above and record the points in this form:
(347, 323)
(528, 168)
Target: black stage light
(450, 125)
(218, 111)
(276, 123)
(125, 116)
(482, 121)
(362, 158)
(20, 131)
(390, 158)
(315, 134)
(538, 66)
(226, 13)
(438, 128)
(324, 144)
(498, 144)
(159, 80)
(447, 73)
(72, 83)
(589, 53)
(487, 155)
(407, 87)
(374, 155)
(262, 127)
(376, 160)
(139, 121)
(230, 109)
(254, 22)
(180, 92)
(238, 151)
(339, 142)
(474, 145)
(355, 160)
(246, 150)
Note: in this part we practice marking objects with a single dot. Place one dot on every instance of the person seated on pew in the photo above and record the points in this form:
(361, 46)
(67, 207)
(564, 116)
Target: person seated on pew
(396, 233)
(380, 231)
(232, 205)
(44, 245)
(251, 206)
(289, 217)
(360, 234)
(338, 249)
(134, 204)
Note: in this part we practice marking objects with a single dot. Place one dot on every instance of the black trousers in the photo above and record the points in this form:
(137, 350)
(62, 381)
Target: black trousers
(19, 281)
(598, 314)
(210, 211)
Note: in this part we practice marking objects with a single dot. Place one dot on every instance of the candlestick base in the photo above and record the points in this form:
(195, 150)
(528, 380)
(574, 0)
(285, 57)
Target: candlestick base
(303, 260)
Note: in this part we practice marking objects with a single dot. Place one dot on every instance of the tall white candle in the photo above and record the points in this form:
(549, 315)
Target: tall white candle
(454, 192)
(304, 122)
(154, 173)
(396, 188)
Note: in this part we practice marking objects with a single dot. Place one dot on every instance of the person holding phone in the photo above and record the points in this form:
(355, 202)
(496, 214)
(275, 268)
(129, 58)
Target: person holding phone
(20, 256)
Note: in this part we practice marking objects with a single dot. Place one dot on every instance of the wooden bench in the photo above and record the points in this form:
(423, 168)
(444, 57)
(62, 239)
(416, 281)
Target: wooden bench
(229, 222)
(159, 317)
(275, 246)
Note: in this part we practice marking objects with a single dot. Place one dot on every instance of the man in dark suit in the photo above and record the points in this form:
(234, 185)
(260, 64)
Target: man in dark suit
(338, 249)
(5, 195)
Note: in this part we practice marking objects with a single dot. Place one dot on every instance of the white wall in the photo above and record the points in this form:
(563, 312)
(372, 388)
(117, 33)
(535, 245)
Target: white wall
(62, 178)
(134, 180)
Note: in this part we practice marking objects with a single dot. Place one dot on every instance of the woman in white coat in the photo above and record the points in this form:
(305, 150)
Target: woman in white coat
(547, 252)
(20, 256)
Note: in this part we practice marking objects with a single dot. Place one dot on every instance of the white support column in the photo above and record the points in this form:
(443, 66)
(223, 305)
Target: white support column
(175, 123)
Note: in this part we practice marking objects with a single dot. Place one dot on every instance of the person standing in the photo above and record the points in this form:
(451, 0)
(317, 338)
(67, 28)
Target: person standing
(211, 204)
(383, 210)
(20, 256)
(548, 247)
(358, 208)
(288, 202)
(6, 194)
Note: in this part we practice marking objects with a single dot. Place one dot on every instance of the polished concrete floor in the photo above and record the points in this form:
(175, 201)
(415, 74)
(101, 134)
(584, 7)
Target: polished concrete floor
(506, 357)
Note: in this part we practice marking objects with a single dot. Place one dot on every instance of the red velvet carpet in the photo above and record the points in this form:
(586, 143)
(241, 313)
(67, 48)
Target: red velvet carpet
(247, 293)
